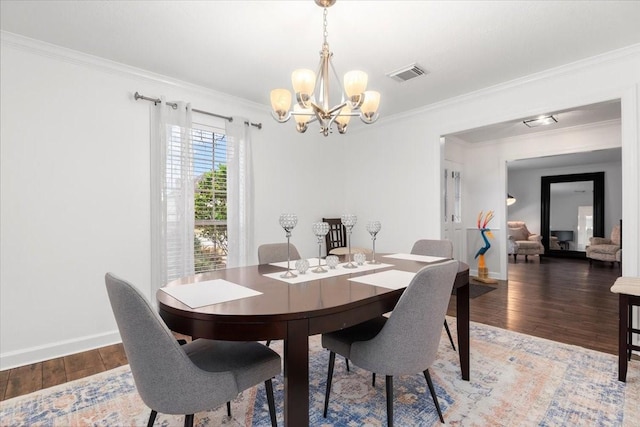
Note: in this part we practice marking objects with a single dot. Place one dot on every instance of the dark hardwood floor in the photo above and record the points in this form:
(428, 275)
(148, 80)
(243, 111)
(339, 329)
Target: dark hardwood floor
(564, 300)
(560, 299)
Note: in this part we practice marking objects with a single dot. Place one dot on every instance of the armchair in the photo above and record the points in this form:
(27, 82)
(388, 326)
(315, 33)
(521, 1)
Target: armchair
(523, 242)
(603, 249)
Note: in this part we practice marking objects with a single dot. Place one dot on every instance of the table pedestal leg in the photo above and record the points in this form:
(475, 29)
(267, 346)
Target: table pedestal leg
(296, 374)
(462, 315)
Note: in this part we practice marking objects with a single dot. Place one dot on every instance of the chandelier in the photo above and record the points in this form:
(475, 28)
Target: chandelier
(312, 95)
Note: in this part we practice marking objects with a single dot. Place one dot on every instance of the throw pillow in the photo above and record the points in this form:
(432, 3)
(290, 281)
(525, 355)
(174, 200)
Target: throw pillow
(519, 233)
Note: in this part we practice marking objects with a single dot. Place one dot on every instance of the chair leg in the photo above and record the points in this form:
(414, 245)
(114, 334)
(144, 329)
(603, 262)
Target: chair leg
(526, 258)
(389, 382)
(268, 385)
(268, 343)
(446, 327)
(629, 330)
(347, 361)
(228, 409)
(152, 418)
(427, 376)
(373, 379)
(188, 420)
(332, 361)
(515, 258)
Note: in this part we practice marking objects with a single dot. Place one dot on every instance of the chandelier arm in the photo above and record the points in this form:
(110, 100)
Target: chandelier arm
(313, 118)
(343, 93)
(373, 119)
(338, 107)
(278, 119)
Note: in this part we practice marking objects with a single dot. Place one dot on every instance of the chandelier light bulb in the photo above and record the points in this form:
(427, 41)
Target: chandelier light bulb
(303, 82)
(280, 102)
(342, 119)
(302, 117)
(355, 83)
(370, 105)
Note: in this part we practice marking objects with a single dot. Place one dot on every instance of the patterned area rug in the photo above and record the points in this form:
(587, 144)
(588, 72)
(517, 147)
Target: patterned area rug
(516, 380)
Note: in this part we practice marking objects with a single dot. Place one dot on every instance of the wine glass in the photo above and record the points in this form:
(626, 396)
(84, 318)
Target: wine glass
(320, 229)
(349, 220)
(373, 227)
(288, 221)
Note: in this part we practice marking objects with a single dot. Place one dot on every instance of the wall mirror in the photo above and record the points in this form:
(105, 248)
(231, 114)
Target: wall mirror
(572, 212)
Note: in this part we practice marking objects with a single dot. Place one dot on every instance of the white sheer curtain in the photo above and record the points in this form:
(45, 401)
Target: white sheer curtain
(172, 193)
(240, 216)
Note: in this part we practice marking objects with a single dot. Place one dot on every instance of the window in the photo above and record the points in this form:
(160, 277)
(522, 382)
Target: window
(207, 169)
(210, 198)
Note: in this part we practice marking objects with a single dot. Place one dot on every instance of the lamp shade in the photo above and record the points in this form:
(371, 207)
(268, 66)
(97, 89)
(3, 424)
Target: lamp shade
(344, 116)
(510, 200)
(302, 115)
(355, 83)
(280, 101)
(371, 102)
(303, 81)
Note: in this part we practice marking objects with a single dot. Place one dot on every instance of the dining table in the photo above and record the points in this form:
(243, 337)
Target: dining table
(294, 309)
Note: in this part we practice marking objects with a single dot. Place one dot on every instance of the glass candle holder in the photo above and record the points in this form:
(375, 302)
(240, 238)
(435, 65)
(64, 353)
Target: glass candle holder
(288, 221)
(302, 265)
(332, 261)
(373, 227)
(349, 220)
(320, 229)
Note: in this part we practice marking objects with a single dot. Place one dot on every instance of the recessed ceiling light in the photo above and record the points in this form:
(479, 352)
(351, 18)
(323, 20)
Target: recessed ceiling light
(540, 121)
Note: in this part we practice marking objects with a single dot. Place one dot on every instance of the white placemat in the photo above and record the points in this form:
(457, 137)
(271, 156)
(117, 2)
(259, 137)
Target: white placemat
(313, 262)
(338, 271)
(421, 258)
(210, 292)
(391, 279)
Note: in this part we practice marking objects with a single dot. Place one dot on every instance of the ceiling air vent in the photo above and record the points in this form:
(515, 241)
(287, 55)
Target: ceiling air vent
(407, 73)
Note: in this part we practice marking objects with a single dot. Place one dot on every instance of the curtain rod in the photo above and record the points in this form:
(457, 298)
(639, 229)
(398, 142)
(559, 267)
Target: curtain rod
(174, 106)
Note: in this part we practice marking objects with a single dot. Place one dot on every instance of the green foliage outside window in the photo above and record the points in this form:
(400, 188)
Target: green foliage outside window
(211, 219)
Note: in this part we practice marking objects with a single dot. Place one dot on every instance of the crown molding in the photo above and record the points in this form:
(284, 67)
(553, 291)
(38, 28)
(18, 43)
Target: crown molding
(572, 67)
(71, 56)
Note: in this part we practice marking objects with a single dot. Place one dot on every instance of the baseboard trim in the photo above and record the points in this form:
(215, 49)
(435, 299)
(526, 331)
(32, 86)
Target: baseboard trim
(14, 359)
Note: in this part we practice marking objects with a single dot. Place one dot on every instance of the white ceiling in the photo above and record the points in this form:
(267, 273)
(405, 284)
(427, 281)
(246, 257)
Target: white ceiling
(582, 115)
(246, 48)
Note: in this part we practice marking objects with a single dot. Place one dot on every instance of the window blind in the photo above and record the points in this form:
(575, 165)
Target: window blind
(197, 180)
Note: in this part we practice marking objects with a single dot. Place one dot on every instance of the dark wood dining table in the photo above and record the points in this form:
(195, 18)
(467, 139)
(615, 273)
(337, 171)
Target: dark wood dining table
(293, 312)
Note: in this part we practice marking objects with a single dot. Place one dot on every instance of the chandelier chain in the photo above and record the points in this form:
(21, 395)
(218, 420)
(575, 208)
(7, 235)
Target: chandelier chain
(324, 24)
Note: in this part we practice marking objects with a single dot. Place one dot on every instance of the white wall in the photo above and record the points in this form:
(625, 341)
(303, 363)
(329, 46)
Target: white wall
(75, 190)
(409, 154)
(75, 178)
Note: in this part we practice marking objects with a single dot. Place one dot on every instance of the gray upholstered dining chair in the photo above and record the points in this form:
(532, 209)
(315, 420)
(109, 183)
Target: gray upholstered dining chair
(440, 248)
(276, 252)
(198, 376)
(406, 342)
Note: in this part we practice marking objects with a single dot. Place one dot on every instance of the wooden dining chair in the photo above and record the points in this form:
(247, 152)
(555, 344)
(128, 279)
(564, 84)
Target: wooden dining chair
(337, 235)
(185, 379)
(407, 341)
